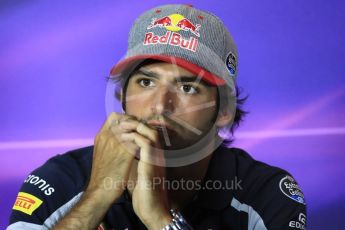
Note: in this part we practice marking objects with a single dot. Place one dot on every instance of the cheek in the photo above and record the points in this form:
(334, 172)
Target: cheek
(132, 107)
(201, 119)
(206, 116)
(137, 104)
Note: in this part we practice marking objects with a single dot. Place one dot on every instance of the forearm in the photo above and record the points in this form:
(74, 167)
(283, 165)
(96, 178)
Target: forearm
(87, 213)
(111, 162)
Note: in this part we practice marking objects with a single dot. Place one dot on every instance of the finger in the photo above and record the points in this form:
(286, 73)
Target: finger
(118, 128)
(144, 130)
(148, 153)
(138, 139)
(110, 119)
(146, 150)
(113, 120)
(131, 147)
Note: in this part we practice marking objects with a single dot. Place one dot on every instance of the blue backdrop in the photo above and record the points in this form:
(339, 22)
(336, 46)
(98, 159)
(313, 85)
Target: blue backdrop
(55, 55)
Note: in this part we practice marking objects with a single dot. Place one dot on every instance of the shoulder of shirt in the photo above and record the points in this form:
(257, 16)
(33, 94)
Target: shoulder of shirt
(68, 170)
(269, 195)
(247, 166)
(258, 177)
(255, 175)
(74, 164)
(74, 159)
(55, 186)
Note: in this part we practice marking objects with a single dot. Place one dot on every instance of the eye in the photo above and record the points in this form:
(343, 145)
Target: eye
(189, 89)
(146, 82)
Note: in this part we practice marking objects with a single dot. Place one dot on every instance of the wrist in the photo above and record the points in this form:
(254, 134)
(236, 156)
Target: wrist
(101, 195)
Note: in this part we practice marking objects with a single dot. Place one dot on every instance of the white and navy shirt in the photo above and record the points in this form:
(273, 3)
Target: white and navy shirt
(238, 192)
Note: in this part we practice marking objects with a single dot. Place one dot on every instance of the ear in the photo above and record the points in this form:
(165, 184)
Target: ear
(225, 117)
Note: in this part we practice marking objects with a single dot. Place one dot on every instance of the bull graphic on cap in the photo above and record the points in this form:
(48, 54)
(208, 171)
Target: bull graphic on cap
(182, 24)
(162, 22)
(187, 25)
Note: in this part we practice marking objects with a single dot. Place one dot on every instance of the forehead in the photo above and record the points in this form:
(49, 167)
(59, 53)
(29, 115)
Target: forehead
(166, 69)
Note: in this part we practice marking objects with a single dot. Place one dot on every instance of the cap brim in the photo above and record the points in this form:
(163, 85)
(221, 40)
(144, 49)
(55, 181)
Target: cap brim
(191, 67)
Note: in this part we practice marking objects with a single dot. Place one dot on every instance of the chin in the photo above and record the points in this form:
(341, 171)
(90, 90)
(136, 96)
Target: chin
(178, 142)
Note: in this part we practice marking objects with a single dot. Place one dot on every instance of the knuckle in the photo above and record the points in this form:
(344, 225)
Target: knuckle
(113, 115)
(140, 126)
(110, 118)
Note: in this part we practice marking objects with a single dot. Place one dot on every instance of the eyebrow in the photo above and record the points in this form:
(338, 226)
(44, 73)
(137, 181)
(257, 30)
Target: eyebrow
(182, 79)
(147, 73)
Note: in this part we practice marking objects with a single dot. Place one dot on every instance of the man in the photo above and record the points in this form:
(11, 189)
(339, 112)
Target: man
(162, 163)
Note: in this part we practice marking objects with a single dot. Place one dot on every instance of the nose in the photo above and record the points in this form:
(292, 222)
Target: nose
(164, 101)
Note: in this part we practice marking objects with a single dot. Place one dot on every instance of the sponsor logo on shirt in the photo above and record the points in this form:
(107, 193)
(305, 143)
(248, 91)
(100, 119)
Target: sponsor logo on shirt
(26, 203)
(46, 188)
(290, 188)
(300, 224)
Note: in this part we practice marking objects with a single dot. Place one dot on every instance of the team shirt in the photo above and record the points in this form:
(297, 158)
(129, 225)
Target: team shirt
(237, 192)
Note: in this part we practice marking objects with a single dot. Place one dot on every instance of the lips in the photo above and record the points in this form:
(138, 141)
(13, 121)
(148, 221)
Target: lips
(160, 125)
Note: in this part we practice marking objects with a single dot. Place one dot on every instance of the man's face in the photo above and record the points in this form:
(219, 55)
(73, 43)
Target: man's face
(174, 101)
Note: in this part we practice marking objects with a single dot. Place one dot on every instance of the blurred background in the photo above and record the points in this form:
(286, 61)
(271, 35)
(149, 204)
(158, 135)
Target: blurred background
(55, 55)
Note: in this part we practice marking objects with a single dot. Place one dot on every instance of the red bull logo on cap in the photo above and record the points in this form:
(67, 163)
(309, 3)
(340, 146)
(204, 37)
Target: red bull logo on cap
(173, 23)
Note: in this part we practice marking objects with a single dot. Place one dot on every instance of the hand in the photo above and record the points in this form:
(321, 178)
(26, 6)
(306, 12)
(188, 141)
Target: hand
(149, 199)
(112, 159)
